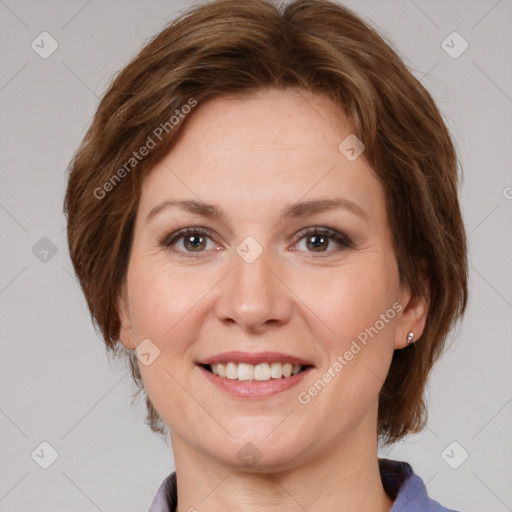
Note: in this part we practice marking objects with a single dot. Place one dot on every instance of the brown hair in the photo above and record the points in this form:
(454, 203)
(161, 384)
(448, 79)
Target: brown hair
(238, 47)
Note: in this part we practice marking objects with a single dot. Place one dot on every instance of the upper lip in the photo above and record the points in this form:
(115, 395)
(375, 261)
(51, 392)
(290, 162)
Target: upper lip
(254, 358)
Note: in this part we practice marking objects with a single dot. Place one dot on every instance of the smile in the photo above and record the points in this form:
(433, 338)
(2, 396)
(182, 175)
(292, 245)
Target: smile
(254, 375)
(259, 372)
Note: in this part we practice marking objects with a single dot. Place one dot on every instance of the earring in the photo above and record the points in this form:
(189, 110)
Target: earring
(410, 337)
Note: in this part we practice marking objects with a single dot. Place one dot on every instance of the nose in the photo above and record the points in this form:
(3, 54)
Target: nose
(254, 295)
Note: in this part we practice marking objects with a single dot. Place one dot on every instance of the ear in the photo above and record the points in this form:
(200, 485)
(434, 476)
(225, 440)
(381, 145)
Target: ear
(123, 311)
(414, 313)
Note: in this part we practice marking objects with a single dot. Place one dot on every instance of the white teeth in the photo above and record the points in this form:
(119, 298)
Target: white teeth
(259, 372)
(262, 371)
(245, 371)
(232, 371)
(276, 370)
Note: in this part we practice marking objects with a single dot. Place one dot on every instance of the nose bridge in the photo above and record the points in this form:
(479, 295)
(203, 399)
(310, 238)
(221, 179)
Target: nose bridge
(252, 270)
(253, 296)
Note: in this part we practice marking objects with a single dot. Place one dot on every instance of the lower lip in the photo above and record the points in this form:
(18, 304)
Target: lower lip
(247, 389)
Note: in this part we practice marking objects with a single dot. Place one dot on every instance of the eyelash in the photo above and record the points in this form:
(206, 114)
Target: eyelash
(330, 233)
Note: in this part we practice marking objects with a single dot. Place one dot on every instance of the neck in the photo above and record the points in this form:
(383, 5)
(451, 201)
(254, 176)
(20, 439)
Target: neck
(344, 478)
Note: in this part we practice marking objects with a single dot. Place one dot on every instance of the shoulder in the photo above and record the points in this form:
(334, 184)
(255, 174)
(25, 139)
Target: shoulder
(407, 488)
(165, 499)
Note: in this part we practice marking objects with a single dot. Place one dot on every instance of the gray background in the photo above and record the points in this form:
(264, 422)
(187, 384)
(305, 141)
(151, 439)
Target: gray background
(56, 382)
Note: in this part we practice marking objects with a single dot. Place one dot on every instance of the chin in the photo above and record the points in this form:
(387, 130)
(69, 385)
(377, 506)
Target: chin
(260, 452)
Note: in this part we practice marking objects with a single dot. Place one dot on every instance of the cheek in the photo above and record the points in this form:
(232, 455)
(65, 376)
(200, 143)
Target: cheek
(360, 306)
(160, 300)
(162, 310)
(353, 299)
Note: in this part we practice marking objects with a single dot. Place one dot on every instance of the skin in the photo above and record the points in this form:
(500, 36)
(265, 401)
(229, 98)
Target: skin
(252, 157)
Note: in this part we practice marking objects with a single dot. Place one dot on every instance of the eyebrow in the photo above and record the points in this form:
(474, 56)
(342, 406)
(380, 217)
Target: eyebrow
(294, 210)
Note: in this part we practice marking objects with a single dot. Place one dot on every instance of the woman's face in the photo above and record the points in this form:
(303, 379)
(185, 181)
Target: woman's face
(259, 291)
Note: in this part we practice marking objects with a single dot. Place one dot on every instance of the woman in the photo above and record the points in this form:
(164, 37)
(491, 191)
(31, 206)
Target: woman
(264, 220)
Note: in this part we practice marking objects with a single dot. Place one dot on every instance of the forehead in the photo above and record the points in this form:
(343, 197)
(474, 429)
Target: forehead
(271, 148)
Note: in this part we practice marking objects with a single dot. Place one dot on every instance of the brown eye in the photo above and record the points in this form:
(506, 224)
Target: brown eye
(197, 242)
(317, 239)
(194, 240)
(317, 242)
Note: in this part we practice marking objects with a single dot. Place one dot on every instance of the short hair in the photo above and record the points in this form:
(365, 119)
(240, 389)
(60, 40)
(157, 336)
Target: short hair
(237, 47)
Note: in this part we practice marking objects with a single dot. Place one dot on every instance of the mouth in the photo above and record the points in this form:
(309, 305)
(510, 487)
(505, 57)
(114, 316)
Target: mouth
(259, 375)
(255, 373)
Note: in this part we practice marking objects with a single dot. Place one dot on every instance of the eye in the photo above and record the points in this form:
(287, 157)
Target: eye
(319, 238)
(194, 239)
